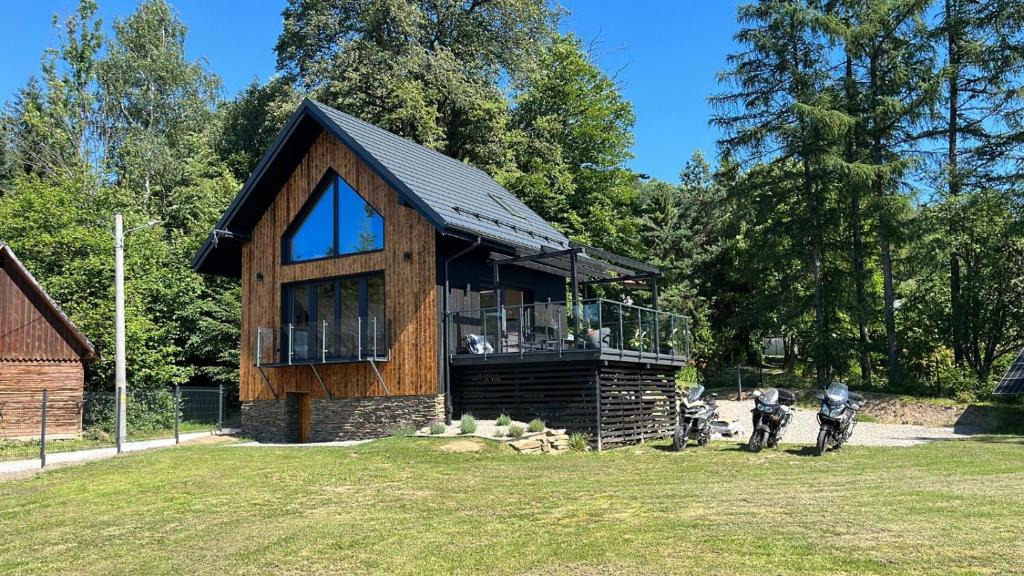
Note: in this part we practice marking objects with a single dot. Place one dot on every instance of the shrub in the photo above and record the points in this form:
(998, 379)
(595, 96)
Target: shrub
(402, 430)
(579, 442)
(536, 425)
(96, 434)
(503, 420)
(499, 433)
(437, 428)
(515, 431)
(468, 424)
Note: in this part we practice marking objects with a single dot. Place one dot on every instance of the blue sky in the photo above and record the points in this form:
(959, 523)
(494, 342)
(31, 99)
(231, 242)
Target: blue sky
(665, 54)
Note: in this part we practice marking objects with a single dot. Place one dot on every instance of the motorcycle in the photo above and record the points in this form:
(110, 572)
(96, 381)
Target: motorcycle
(773, 410)
(695, 417)
(837, 416)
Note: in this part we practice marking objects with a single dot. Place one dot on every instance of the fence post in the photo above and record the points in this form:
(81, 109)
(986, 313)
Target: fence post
(42, 432)
(177, 413)
(117, 420)
(739, 383)
(220, 407)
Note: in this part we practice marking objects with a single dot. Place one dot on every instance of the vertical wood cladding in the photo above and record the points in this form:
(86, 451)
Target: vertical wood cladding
(26, 330)
(410, 285)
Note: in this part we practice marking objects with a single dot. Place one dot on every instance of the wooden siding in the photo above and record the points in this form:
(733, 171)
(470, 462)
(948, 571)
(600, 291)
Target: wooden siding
(27, 330)
(21, 393)
(410, 286)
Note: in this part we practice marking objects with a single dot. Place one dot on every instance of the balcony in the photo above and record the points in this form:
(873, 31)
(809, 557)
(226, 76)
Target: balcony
(602, 329)
(360, 339)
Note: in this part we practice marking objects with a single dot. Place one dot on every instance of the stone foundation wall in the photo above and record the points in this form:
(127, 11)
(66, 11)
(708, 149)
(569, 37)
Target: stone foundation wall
(373, 417)
(340, 418)
(265, 420)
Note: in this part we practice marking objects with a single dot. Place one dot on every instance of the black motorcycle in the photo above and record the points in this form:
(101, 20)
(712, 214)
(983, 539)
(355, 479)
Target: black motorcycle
(773, 410)
(696, 413)
(837, 416)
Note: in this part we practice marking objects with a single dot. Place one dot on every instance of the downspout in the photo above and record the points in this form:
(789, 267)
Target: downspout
(447, 337)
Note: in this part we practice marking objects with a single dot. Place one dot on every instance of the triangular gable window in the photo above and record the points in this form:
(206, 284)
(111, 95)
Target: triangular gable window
(336, 222)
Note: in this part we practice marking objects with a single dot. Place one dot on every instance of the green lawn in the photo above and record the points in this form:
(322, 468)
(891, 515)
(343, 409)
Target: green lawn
(19, 450)
(401, 506)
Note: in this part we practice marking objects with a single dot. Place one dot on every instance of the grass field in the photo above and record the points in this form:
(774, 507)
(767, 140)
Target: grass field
(18, 450)
(403, 506)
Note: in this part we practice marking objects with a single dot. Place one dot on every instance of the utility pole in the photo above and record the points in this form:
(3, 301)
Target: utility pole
(120, 378)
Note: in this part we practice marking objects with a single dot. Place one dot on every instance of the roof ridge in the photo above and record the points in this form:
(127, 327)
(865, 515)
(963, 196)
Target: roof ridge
(90, 350)
(434, 152)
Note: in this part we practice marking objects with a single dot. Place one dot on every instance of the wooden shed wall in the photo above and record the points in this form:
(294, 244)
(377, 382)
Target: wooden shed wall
(26, 331)
(410, 286)
(21, 392)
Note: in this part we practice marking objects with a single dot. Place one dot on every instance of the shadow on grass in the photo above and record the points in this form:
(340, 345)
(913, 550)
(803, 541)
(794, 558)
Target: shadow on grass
(800, 451)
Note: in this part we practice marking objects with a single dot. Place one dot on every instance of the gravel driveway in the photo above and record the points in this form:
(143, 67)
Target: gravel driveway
(804, 428)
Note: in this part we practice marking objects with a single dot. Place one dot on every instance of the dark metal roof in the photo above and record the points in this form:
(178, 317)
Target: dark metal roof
(454, 196)
(52, 312)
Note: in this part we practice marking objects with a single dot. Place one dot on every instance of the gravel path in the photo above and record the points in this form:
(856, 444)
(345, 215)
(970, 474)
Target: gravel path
(803, 429)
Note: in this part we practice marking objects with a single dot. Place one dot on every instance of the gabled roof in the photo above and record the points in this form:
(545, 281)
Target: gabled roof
(51, 311)
(457, 198)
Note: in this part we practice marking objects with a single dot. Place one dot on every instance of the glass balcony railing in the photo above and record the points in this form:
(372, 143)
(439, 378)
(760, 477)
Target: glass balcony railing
(361, 338)
(552, 327)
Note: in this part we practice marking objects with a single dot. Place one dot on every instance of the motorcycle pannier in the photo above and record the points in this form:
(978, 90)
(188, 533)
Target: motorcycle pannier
(786, 397)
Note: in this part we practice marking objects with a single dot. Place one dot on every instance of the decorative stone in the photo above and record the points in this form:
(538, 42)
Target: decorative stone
(333, 419)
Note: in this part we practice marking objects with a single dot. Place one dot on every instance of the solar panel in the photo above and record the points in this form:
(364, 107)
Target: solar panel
(1013, 381)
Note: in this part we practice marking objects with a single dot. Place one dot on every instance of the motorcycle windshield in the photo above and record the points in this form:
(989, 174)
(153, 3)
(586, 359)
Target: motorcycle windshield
(694, 394)
(769, 396)
(837, 393)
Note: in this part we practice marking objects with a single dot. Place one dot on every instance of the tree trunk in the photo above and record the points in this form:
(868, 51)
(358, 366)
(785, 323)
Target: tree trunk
(817, 257)
(857, 232)
(956, 309)
(884, 229)
(890, 306)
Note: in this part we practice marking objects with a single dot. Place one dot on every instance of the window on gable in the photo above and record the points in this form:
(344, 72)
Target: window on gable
(338, 222)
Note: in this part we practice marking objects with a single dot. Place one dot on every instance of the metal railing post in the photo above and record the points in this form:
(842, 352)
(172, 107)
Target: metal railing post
(522, 337)
(622, 342)
(177, 414)
(359, 338)
(600, 326)
(323, 347)
(559, 335)
(375, 337)
(42, 431)
(501, 329)
(640, 333)
(259, 346)
(483, 319)
(220, 407)
(291, 341)
(672, 332)
(657, 335)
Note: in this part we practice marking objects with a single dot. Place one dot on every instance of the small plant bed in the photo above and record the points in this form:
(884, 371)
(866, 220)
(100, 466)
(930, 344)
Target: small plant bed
(527, 437)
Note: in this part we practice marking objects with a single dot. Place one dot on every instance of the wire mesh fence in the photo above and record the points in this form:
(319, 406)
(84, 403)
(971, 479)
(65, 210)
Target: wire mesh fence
(737, 380)
(36, 422)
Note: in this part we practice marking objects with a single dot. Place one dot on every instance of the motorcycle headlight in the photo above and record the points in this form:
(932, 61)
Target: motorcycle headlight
(833, 411)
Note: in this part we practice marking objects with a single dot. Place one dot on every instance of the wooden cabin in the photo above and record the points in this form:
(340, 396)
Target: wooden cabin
(40, 349)
(386, 285)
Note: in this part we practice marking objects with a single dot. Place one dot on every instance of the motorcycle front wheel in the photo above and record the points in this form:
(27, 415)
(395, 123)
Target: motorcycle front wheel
(680, 438)
(822, 444)
(757, 440)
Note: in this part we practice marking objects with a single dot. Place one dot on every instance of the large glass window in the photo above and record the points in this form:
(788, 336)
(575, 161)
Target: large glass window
(338, 222)
(339, 318)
